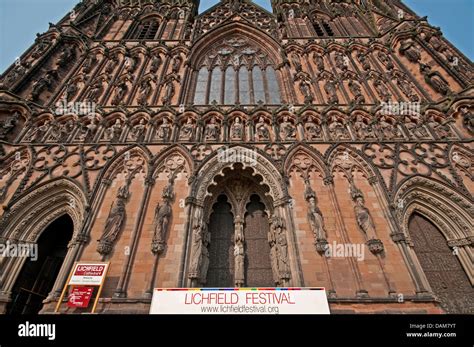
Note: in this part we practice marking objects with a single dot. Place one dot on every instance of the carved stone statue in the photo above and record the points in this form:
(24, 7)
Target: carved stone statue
(42, 84)
(330, 89)
(295, 60)
(287, 130)
(176, 64)
(187, 130)
(71, 91)
(164, 130)
(144, 92)
(138, 131)
(88, 132)
(261, 131)
(415, 127)
(212, 130)
(111, 65)
(468, 119)
(89, 63)
(113, 226)
(364, 219)
(386, 129)
(120, 92)
(274, 257)
(199, 236)
(113, 132)
(40, 48)
(305, 89)
(169, 92)
(407, 88)
(282, 248)
(386, 61)
(361, 128)
(315, 217)
(318, 61)
(434, 79)
(131, 64)
(239, 256)
(66, 56)
(341, 62)
(362, 57)
(312, 130)
(356, 90)
(337, 129)
(95, 91)
(8, 124)
(236, 131)
(408, 49)
(155, 63)
(382, 90)
(161, 225)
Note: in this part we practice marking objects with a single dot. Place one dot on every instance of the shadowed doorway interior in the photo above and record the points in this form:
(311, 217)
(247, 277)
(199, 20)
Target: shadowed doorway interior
(37, 278)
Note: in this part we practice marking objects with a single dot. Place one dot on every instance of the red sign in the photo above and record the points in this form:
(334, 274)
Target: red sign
(80, 297)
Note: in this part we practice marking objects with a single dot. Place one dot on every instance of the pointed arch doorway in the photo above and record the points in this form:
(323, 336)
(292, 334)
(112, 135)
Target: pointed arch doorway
(443, 270)
(239, 225)
(36, 278)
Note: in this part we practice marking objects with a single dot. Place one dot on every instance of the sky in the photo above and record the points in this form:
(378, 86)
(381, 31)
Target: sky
(20, 20)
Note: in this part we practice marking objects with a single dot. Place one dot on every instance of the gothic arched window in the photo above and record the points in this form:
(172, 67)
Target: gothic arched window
(145, 30)
(236, 72)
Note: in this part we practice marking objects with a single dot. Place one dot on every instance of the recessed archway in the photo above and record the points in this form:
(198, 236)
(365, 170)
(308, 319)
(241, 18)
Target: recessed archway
(37, 276)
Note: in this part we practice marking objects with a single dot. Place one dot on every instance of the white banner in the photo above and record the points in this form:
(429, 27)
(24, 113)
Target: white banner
(239, 301)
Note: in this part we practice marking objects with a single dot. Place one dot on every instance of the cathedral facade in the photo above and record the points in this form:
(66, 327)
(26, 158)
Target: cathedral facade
(240, 148)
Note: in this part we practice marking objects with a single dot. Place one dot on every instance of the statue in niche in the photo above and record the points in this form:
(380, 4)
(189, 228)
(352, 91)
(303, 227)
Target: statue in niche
(319, 61)
(131, 64)
(37, 133)
(40, 48)
(287, 130)
(415, 127)
(468, 119)
(386, 61)
(341, 61)
(261, 131)
(187, 130)
(239, 256)
(144, 92)
(364, 61)
(408, 49)
(138, 131)
(111, 65)
(330, 89)
(88, 132)
(66, 56)
(113, 132)
(169, 92)
(212, 130)
(8, 124)
(282, 249)
(274, 257)
(95, 91)
(237, 130)
(312, 130)
(337, 129)
(206, 239)
(71, 91)
(161, 225)
(120, 92)
(364, 219)
(42, 84)
(305, 89)
(16, 73)
(115, 222)
(407, 89)
(89, 63)
(434, 79)
(155, 63)
(60, 132)
(295, 60)
(197, 251)
(356, 90)
(164, 130)
(315, 217)
(382, 90)
(386, 129)
(441, 128)
(361, 128)
(176, 64)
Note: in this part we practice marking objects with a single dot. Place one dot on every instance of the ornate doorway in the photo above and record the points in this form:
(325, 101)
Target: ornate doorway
(441, 267)
(36, 278)
(221, 248)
